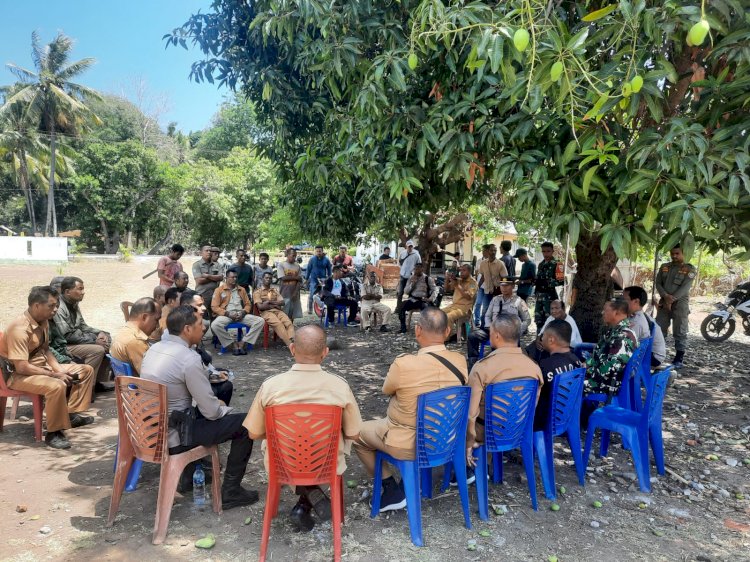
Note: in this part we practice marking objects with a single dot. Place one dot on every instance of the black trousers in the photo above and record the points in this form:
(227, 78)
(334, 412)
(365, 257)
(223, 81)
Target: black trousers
(223, 391)
(331, 303)
(408, 305)
(476, 337)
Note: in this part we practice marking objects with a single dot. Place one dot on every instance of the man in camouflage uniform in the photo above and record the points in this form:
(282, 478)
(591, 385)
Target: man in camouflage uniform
(673, 283)
(605, 367)
(545, 284)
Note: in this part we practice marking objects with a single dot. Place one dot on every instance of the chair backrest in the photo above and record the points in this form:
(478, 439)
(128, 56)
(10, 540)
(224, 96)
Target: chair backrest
(442, 416)
(509, 413)
(303, 442)
(566, 398)
(630, 375)
(142, 417)
(120, 368)
(655, 398)
(583, 350)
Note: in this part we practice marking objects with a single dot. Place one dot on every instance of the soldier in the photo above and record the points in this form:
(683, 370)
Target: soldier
(546, 281)
(673, 283)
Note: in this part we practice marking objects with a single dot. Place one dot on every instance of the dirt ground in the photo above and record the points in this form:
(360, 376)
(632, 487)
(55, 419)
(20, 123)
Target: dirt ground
(699, 511)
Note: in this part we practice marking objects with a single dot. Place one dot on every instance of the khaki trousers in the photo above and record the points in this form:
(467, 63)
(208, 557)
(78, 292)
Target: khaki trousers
(371, 439)
(279, 323)
(373, 307)
(57, 406)
(457, 312)
(92, 354)
(219, 328)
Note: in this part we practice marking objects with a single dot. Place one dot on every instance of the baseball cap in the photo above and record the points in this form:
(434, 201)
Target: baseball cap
(409, 242)
(520, 252)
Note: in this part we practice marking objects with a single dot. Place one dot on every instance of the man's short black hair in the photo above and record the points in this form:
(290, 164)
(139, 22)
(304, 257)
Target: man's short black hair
(69, 283)
(177, 248)
(172, 294)
(506, 245)
(145, 305)
(486, 247)
(187, 297)
(319, 246)
(619, 304)
(268, 273)
(433, 320)
(637, 293)
(40, 294)
(55, 282)
(387, 248)
(231, 270)
(548, 245)
(179, 318)
(263, 254)
(289, 251)
(561, 329)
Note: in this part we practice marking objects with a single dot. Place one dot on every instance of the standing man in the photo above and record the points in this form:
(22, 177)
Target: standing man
(130, 344)
(181, 281)
(290, 281)
(464, 290)
(270, 304)
(673, 283)
(231, 304)
(386, 255)
(344, 260)
(84, 342)
(260, 268)
(408, 259)
(643, 325)
(169, 266)
(336, 292)
(421, 292)
(491, 271)
(528, 274)
(206, 274)
(25, 345)
(172, 363)
(433, 367)
(546, 281)
(372, 293)
(319, 269)
(509, 261)
(244, 271)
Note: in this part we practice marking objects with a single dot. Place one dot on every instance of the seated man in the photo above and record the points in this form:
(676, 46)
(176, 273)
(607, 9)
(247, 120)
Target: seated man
(270, 304)
(307, 383)
(131, 342)
(420, 291)
(558, 359)
(89, 344)
(57, 344)
(464, 292)
(159, 292)
(605, 367)
(244, 271)
(432, 368)
(643, 325)
(24, 344)
(505, 303)
(172, 300)
(181, 281)
(231, 304)
(506, 362)
(557, 312)
(171, 362)
(372, 293)
(260, 268)
(336, 292)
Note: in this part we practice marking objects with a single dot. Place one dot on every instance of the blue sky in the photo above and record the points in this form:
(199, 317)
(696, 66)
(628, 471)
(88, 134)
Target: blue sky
(125, 38)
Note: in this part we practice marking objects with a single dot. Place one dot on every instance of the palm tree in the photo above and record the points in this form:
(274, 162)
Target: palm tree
(53, 100)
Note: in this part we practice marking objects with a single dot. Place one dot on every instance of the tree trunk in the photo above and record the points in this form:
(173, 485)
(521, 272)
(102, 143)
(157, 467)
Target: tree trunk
(592, 284)
(429, 239)
(26, 187)
(51, 224)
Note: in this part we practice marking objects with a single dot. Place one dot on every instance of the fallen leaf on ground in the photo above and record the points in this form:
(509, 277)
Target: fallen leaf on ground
(735, 526)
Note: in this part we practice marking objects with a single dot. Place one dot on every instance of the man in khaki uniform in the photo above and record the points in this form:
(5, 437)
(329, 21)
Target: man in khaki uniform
(506, 362)
(307, 383)
(25, 344)
(229, 304)
(673, 283)
(130, 344)
(464, 291)
(408, 377)
(270, 303)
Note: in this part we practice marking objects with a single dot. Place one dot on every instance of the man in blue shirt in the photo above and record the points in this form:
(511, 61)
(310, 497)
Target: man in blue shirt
(319, 267)
(336, 292)
(528, 274)
(244, 272)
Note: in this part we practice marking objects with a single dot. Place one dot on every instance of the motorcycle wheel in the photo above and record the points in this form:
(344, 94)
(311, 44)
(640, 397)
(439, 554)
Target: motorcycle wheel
(716, 329)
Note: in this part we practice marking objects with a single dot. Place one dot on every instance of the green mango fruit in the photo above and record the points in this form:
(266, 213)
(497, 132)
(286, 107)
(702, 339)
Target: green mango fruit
(206, 542)
(697, 33)
(554, 507)
(627, 89)
(413, 61)
(521, 39)
(636, 83)
(556, 71)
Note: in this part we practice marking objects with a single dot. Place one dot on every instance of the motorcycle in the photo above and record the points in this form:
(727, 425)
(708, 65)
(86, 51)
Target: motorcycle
(719, 325)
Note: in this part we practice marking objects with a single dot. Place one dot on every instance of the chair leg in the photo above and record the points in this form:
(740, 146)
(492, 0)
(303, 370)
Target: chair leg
(124, 463)
(481, 482)
(604, 443)
(587, 450)
(546, 466)
(527, 450)
(410, 475)
(447, 472)
(459, 467)
(377, 484)
(3, 400)
(497, 468)
(135, 473)
(268, 515)
(657, 445)
(170, 475)
(639, 451)
(337, 517)
(574, 440)
(425, 475)
(341, 495)
(14, 407)
(38, 404)
(216, 482)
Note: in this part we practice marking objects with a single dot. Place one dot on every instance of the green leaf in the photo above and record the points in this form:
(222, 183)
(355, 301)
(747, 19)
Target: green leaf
(574, 230)
(674, 205)
(649, 218)
(599, 14)
(688, 246)
(587, 180)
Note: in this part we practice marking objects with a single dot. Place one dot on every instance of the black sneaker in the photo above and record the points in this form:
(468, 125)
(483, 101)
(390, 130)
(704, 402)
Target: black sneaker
(384, 328)
(104, 387)
(470, 477)
(77, 420)
(320, 502)
(236, 497)
(57, 440)
(300, 517)
(393, 498)
(353, 323)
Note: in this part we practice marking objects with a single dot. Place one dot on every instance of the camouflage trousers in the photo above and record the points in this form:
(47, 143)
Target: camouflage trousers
(541, 310)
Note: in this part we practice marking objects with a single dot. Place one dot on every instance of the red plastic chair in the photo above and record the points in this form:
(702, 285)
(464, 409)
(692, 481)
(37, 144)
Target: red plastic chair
(142, 420)
(37, 401)
(303, 444)
(266, 328)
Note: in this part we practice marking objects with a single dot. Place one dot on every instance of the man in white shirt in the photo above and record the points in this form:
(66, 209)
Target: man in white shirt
(557, 312)
(407, 260)
(643, 325)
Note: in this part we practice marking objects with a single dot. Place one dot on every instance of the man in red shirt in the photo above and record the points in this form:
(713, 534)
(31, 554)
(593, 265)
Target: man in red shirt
(169, 266)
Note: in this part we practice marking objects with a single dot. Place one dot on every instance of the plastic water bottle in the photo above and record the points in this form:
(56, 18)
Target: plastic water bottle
(199, 486)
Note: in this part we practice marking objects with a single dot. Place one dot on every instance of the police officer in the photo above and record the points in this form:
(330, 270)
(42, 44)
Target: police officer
(546, 281)
(673, 283)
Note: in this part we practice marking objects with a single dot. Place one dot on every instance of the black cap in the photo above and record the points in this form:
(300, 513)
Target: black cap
(520, 252)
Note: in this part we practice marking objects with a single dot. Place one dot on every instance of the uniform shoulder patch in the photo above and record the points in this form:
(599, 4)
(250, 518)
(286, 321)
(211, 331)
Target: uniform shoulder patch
(665, 268)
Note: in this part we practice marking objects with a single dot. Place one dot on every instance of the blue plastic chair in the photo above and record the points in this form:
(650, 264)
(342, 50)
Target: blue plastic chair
(122, 368)
(564, 417)
(637, 429)
(239, 326)
(642, 376)
(442, 416)
(583, 350)
(481, 349)
(340, 312)
(508, 424)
